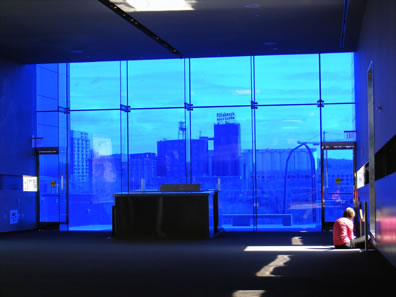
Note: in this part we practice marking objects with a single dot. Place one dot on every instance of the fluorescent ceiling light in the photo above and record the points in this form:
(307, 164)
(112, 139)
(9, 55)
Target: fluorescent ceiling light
(154, 5)
(252, 5)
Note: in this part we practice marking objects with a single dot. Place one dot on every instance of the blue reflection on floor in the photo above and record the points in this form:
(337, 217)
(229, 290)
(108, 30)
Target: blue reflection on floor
(272, 227)
(91, 228)
(308, 227)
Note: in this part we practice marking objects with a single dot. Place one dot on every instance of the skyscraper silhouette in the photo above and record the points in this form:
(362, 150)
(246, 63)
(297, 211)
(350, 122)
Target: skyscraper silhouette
(227, 146)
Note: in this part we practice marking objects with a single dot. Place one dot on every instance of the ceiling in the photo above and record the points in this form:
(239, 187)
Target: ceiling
(51, 31)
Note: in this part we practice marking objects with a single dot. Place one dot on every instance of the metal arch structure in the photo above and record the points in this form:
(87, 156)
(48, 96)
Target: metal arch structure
(312, 173)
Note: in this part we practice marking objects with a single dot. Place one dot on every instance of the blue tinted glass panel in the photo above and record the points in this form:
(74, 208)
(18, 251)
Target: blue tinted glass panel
(63, 84)
(221, 145)
(47, 81)
(338, 183)
(95, 85)
(157, 148)
(338, 122)
(124, 149)
(47, 87)
(47, 129)
(45, 103)
(220, 81)
(338, 77)
(156, 83)
(48, 118)
(62, 169)
(124, 82)
(94, 168)
(287, 79)
(288, 168)
(50, 188)
(113, 150)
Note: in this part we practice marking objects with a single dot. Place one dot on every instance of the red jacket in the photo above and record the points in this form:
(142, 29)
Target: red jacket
(343, 231)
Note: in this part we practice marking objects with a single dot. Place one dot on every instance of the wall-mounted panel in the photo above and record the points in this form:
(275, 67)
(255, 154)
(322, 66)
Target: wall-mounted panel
(47, 81)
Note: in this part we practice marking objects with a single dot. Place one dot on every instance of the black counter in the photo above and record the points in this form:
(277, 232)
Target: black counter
(155, 214)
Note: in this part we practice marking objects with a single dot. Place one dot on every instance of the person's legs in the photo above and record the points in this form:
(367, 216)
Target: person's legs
(359, 242)
(347, 245)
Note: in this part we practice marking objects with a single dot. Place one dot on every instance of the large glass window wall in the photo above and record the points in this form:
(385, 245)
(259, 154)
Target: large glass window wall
(287, 79)
(248, 126)
(95, 167)
(288, 166)
(221, 81)
(157, 148)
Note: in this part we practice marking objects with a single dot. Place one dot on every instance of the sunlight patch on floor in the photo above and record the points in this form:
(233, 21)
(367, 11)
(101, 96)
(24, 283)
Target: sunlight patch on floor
(248, 293)
(297, 248)
(267, 270)
(296, 240)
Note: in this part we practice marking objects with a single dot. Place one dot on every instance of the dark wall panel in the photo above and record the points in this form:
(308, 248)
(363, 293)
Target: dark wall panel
(386, 216)
(17, 126)
(378, 44)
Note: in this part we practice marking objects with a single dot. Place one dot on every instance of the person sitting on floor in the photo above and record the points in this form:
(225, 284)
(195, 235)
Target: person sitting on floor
(343, 237)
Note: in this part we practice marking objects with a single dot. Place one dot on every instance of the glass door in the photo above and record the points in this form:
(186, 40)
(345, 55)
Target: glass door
(52, 196)
(287, 172)
(338, 181)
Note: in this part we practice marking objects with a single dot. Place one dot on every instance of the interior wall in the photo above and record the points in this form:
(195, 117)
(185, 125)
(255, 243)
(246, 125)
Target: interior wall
(17, 126)
(47, 99)
(378, 44)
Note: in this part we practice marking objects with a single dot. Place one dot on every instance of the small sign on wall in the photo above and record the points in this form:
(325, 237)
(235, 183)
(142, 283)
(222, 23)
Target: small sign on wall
(14, 216)
(29, 183)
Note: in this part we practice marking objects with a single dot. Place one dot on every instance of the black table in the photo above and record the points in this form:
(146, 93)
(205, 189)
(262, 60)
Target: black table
(158, 214)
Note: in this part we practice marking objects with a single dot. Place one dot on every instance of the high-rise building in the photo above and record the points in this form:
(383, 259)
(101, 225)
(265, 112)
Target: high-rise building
(200, 157)
(80, 159)
(227, 146)
(172, 157)
(143, 167)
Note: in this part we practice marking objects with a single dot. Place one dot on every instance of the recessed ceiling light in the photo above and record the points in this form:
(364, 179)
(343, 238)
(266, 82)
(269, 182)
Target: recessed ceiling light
(253, 5)
(270, 43)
